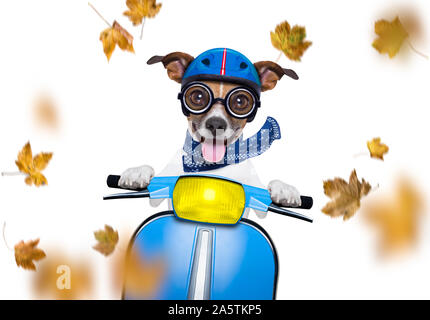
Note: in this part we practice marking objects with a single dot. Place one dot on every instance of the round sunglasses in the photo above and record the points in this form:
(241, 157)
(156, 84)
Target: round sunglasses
(198, 98)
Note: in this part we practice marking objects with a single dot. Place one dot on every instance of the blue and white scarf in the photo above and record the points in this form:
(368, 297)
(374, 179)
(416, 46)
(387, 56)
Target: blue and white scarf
(241, 150)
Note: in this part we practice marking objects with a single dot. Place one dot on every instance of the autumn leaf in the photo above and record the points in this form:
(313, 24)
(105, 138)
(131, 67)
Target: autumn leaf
(391, 36)
(376, 148)
(142, 276)
(345, 196)
(291, 41)
(26, 252)
(33, 166)
(396, 217)
(139, 9)
(45, 112)
(116, 35)
(107, 240)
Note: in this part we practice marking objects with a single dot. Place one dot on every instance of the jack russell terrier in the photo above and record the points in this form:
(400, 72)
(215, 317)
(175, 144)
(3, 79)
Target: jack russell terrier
(220, 94)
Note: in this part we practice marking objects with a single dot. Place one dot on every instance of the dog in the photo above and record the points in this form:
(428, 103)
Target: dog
(218, 127)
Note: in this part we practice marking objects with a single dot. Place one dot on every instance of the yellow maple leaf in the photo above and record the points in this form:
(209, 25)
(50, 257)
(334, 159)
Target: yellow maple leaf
(376, 148)
(396, 217)
(26, 252)
(139, 9)
(32, 166)
(291, 41)
(391, 36)
(107, 240)
(345, 196)
(116, 35)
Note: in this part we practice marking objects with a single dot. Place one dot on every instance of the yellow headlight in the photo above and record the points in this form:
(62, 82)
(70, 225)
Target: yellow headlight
(207, 199)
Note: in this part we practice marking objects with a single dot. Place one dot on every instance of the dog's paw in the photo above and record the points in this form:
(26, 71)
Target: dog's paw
(136, 178)
(284, 194)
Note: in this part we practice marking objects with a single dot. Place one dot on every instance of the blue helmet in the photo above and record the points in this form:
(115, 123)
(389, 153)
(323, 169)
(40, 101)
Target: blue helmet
(223, 64)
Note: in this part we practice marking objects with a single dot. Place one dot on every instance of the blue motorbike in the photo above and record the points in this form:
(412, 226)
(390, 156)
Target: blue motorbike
(210, 251)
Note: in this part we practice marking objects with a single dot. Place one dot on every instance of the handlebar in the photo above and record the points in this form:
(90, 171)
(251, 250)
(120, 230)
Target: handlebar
(112, 182)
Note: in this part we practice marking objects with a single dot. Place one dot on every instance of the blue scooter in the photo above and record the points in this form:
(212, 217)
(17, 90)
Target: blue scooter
(210, 251)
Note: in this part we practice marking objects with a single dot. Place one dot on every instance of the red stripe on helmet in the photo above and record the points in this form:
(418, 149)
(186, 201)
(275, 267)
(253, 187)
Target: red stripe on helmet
(224, 58)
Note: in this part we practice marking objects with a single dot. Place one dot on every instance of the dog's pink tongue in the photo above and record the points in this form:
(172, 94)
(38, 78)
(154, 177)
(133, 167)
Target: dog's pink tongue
(213, 151)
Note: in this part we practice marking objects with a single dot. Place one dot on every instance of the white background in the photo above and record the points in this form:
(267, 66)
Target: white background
(125, 113)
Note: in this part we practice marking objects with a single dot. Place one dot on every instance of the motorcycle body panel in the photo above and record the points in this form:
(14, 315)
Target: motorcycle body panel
(206, 261)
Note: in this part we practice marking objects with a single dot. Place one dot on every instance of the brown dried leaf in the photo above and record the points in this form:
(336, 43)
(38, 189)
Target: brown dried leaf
(291, 41)
(26, 252)
(391, 36)
(32, 166)
(345, 196)
(107, 240)
(377, 149)
(45, 113)
(139, 9)
(116, 35)
(397, 217)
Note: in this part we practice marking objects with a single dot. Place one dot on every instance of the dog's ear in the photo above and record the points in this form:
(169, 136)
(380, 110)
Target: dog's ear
(176, 63)
(270, 73)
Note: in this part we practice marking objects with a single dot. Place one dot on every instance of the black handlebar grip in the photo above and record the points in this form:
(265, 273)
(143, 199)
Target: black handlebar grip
(307, 202)
(112, 181)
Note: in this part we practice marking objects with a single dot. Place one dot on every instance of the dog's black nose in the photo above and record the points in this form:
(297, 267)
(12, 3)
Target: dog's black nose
(216, 125)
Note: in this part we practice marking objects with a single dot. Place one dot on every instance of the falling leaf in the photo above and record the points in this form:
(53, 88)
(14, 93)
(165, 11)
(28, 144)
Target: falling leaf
(345, 196)
(290, 41)
(391, 36)
(107, 240)
(140, 273)
(139, 9)
(116, 35)
(143, 277)
(63, 277)
(26, 252)
(376, 148)
(396, 217)
(45, 112)
(33, 166)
